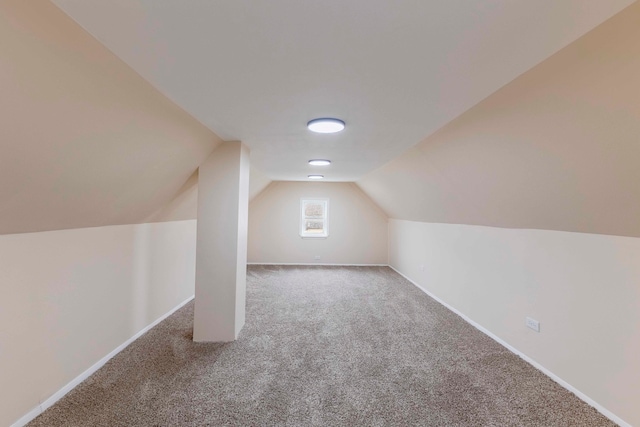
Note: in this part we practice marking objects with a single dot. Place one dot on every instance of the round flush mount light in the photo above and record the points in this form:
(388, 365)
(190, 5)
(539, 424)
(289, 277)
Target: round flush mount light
(325, 125)
(319, 162)
(315, 176)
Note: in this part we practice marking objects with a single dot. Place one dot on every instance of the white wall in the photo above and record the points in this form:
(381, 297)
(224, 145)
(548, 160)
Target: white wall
(583, 288)
(357, 227)
(221, 260)
(70, 297)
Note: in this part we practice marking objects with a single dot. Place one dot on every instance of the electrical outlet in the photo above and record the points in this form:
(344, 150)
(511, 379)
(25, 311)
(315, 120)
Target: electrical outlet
(317, 257)
(532, 324)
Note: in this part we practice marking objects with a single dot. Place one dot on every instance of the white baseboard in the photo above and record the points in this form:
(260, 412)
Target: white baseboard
(43, 406)
(317, 263)
(610, 415)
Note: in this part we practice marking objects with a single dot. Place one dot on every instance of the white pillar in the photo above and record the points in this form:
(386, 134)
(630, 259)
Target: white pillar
(221, 249)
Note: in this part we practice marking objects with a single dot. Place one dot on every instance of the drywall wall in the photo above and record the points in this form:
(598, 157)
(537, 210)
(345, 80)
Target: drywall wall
(582, 288)
(185, 204)
(84, 141)
(357, 227)
(70, 297)
(555, 149)
(257, 183)
(221, 260)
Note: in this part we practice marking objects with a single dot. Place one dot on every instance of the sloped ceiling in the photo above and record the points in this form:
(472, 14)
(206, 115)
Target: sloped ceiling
(185, 204)
(84, 140)
(257, 183)
(395, 71)
(557, 149)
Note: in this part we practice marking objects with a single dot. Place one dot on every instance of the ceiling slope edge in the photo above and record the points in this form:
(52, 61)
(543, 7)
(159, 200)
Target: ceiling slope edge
(86, 141)
(555, 149)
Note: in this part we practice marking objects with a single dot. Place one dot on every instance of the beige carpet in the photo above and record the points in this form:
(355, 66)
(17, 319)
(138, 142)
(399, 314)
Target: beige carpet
(323, 346)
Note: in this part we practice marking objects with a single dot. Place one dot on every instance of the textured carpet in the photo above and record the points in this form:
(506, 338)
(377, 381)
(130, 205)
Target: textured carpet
(322, 346)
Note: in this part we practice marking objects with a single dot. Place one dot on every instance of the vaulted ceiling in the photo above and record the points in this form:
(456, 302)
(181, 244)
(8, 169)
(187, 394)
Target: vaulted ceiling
(84, 140)
(395, 71)
(105, 119)
(557, 149)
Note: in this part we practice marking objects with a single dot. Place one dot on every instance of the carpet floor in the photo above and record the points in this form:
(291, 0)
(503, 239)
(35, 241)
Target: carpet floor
(322, 346)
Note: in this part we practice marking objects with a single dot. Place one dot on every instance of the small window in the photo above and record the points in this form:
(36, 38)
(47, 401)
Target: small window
(314, 217)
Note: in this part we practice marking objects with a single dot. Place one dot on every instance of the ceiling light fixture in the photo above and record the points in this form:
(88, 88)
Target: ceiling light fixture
(315, 176)
(319, 162)
(325, 125)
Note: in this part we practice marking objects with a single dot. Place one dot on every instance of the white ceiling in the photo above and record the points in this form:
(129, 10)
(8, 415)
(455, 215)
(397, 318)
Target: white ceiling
(395, 71)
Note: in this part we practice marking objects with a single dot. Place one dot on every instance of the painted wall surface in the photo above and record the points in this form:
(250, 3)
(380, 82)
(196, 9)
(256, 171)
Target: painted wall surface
(70, 297)
(257, 183)
(583, 288)
(185, 204)
(357, 227)
(84, 140)
(555, 149)
(221, 261)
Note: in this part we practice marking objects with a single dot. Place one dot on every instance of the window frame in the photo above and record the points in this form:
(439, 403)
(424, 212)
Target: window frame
(325, 219)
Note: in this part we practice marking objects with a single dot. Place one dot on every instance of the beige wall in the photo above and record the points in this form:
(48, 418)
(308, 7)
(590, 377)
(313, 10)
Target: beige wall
(85, 141)
(185, 204)
(582, 288)
(357, 227)
(555, 149)
(257, 183)
(70, 297)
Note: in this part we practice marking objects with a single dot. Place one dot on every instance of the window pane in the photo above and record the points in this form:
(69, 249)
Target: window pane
(314, 226)
(313, 218)
(314, 210)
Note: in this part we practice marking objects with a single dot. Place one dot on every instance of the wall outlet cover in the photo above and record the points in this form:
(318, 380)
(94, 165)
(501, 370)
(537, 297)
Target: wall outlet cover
(532, 324)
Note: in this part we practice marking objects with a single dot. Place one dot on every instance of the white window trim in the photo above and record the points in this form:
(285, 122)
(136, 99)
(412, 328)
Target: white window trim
(326, 218)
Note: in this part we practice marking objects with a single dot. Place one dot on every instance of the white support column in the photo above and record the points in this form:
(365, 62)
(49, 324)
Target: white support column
(221, 257)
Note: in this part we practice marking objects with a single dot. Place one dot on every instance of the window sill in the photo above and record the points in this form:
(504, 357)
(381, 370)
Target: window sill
(314, 237)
